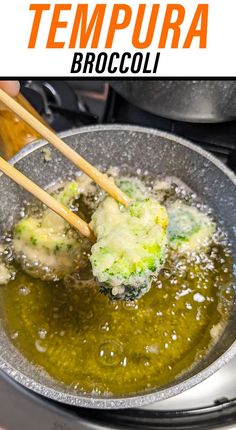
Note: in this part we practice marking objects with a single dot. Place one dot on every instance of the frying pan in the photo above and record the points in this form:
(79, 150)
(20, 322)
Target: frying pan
(182, 100)
(134, 148)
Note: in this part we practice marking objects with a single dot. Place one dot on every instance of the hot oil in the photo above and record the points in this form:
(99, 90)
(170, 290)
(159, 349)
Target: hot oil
(92, 344)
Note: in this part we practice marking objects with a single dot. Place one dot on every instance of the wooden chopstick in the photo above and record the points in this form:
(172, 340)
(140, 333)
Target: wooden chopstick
(45, 198)
(102, 180)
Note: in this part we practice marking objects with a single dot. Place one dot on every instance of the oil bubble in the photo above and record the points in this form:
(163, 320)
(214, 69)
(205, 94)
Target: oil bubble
(130, 306)
(188, 306)
(42, 333)
(23, 290)
(89, 314)
(159, 314)
(110, 353)
(198, 298)
(105, 326)
(14, 335)
(152, 349)
(40, 347)
(124, 362)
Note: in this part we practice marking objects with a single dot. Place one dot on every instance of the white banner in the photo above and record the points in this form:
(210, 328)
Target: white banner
(127, 38)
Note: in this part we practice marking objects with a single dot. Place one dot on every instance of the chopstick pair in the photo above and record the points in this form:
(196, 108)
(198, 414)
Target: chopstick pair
(102, 180)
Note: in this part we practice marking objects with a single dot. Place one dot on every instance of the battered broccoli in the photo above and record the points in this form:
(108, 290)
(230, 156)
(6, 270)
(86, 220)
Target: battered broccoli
(130, 248)
(133, 187)
(7, 272)
(68, 194)
(5, 275)
(189, 229)
(46, 246)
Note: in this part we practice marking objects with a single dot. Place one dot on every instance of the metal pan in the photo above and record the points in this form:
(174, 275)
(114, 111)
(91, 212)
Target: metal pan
(182, 100)
(135, 148)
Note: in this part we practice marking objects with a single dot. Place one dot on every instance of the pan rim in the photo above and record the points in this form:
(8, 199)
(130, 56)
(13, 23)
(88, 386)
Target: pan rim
(138, 400)
(126, 127)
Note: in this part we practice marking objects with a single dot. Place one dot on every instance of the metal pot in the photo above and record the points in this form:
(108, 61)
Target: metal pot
(182, 100)
(133, 147)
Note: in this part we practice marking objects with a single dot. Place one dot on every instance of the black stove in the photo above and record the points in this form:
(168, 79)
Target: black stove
(68, 104)
(58, 103)
(211, 404)
(218, 138)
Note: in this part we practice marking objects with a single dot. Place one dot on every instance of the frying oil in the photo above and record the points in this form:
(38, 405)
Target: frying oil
(82, 339)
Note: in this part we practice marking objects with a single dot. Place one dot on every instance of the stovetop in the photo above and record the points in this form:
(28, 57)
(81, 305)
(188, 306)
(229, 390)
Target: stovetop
(211, 404)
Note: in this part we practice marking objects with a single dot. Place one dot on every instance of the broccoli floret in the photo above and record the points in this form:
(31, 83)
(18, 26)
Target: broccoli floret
(7, 271)
(130, 248)
(68, 194)
(5, 274)
(47, 247)
(133, 187)
(189, 229)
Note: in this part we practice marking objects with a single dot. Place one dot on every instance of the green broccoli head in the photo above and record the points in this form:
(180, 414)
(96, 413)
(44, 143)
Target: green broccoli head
(69, 193)
(130, 248)
(47, 247)
(189, 229)
(133, 187)
(46, 252)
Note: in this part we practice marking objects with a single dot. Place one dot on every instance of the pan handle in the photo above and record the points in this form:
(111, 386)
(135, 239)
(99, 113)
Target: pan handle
(15, 133)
